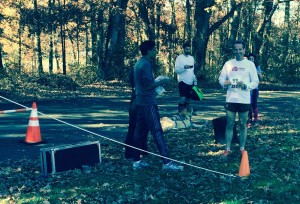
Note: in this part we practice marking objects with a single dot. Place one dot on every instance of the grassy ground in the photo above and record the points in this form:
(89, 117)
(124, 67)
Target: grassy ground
(273, 150)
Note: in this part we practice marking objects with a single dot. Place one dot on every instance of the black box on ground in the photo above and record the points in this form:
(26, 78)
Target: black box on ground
(219, 130)
(68, 157)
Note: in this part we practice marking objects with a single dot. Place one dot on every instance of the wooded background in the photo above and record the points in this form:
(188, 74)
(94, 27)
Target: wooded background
(97, 40)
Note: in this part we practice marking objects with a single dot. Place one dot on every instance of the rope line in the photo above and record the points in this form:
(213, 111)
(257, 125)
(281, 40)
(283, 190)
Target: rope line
(121, 143)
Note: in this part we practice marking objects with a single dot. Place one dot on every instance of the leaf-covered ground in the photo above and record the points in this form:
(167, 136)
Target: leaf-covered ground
(273, 150)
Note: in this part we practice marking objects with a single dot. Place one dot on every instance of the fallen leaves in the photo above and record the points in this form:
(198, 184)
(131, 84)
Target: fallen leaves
(273, 148)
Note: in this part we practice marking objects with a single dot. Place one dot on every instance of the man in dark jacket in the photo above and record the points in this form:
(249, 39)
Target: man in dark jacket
(148, 117)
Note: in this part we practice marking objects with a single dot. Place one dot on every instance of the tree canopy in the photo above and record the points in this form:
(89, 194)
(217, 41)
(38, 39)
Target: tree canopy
(101, 38)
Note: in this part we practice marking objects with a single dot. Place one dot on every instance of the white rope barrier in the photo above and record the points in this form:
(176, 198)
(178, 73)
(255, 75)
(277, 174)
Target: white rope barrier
(121, 143)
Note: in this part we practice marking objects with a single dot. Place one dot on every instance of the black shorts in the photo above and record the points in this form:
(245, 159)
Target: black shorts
(184, 89)
(237, 107)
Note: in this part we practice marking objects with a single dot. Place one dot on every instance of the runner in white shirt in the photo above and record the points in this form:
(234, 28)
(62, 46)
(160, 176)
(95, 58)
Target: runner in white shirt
(238, 76)
(184, 67)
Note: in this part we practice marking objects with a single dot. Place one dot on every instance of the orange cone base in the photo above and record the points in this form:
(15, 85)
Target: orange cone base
(33, 136)
(31, 143)
(244, 167)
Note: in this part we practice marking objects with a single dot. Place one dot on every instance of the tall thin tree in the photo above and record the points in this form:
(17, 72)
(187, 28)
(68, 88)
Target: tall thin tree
(37, 22)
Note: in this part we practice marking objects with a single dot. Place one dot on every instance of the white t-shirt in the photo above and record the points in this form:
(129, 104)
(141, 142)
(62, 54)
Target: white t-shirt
(235, 71)
(185, 75)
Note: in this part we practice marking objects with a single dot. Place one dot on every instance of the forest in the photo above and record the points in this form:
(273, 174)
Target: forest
(87, 41)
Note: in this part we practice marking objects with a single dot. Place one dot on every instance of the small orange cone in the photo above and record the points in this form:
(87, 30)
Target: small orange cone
(33, 135)
(244, 167)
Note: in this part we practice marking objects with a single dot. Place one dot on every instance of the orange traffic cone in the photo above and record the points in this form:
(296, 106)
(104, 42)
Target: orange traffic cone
(33, 135)
(244, 167)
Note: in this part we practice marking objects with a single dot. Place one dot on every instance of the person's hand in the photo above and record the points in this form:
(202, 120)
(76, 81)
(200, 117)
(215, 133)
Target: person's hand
(241, 85)
(195, 81)
(227, 83)
(165, 81)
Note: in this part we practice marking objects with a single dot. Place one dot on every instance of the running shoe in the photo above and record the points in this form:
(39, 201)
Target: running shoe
(139, 165)
(171, 166)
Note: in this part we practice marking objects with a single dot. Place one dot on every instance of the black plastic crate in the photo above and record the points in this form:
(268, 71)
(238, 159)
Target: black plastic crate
(219, 125)
(69, 157)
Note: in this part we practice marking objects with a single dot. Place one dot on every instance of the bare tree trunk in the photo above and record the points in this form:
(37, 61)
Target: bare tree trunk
(115, 55)
(63, 38)
(57, 56)
(77, 46)
(50, 26)
(146, 16)
(291, 67)
(51, 54)
(260, 37)
(188, 26)
(248, 23)
(94, 58)
(287, 26)
(115, 30)
(121, 43)
(73, 47)
(63, 48)
(87, 48)
(137, 26)
(20, 31)
(100, 22)
(234, 25)
(201, 37)
(203, 31)
(78, 23)
(158, 15)
(38, 38)
(171, 34)
(2, 69)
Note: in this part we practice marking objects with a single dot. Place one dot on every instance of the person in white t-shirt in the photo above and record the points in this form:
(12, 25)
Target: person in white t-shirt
(184, 68)
(238, 76)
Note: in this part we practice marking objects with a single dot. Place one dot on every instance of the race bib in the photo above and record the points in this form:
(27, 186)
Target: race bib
(234, 83)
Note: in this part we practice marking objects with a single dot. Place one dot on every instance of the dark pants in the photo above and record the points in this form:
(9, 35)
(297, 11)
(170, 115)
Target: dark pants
(254, 97)
(130, 134)
(184, 89)
(148, 119)
(253, 107)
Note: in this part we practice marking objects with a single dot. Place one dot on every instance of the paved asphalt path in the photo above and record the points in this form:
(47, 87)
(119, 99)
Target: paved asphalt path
(106, 116)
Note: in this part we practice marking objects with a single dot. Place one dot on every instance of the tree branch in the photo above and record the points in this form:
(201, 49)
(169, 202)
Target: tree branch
(216, 25)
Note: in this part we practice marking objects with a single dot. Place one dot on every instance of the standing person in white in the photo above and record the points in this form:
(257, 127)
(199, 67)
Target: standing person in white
(184, 68)
(238, 76)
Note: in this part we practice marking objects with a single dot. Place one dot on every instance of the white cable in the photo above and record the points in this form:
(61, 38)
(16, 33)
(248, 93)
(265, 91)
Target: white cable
(187, 164)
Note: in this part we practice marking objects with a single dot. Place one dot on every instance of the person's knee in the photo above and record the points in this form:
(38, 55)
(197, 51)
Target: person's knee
(243, 120)
(230, 119)
(230, 124)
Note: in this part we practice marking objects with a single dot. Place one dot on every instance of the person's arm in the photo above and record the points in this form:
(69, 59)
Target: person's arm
(179, 66)
(259, 73)
(223, 78)
(157, 84)
(253, 80)
(148, 80)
